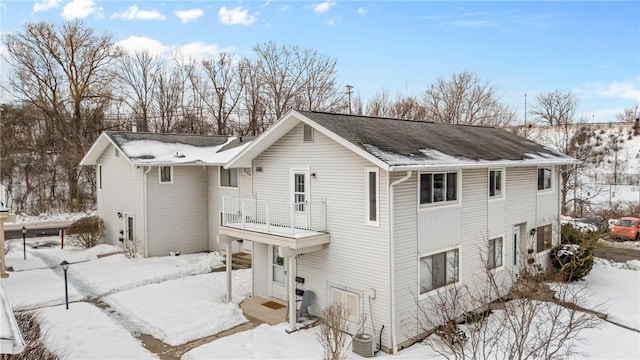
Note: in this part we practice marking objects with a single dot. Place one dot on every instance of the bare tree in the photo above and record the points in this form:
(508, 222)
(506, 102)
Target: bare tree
(555, 107)
(251, 101)
(629, 115)
(332, 331)
(465, 99)
(65, 72)
(217, 83)
(136, 73)
(478, 322)
(380, 104)
(292, 77)
(407, 108)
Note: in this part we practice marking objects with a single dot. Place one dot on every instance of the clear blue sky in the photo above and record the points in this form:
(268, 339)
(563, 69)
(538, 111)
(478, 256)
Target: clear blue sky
(591, 48)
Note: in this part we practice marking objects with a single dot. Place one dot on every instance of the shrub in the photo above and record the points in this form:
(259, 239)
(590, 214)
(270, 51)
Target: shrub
(573, 259)
(331, 332)
(87, 232)
(33, 336)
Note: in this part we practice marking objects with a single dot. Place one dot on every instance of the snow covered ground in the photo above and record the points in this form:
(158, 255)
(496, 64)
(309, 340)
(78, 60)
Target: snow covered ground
(178, 299)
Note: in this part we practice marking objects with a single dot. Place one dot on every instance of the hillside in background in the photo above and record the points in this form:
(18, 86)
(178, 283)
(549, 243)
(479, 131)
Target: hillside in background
(609, 177)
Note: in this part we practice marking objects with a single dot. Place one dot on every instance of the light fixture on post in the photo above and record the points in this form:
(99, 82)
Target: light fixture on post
(24, 242)
(65, 267)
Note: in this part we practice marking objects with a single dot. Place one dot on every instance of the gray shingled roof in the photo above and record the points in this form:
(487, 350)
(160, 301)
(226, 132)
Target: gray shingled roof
(406, 142)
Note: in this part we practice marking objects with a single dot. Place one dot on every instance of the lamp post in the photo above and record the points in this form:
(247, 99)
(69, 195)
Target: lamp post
(24, 242)
(65, 267)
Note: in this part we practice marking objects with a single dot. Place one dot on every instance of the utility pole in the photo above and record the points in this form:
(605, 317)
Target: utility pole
(349, 91)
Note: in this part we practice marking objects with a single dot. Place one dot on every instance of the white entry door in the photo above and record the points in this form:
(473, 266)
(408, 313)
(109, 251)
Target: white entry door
(277, 273)
(129, 231)
(300, 197)
(519, 247)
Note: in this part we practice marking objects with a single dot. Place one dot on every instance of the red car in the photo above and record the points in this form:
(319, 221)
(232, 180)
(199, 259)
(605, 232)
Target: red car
(626, 228)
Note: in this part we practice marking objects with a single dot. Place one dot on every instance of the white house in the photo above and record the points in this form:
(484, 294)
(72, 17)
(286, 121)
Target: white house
(161, 192)
(365, 210)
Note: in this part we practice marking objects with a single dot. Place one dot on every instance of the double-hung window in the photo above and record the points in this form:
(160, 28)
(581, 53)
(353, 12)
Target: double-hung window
(166, 174)
(544, 235)
(438, 187)
(228, 177)
(494, 258)
(438, 270)
(372, 195)
(495, 183)
(544, 178)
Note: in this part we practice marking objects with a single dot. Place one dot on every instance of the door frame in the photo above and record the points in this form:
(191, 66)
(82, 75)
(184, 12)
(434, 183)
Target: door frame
(277, 290)
(519, 246)
(129, 236)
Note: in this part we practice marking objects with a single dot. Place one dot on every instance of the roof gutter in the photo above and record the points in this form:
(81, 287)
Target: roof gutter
(391, 201)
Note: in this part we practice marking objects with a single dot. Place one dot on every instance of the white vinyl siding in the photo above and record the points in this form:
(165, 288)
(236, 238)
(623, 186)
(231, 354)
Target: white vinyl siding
(165, 174)
(178, 217)
(350, 302)
(121, 193)
(372, 192)
(355, 248)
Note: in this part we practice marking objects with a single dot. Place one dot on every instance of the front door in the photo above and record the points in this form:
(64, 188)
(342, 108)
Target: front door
(300, 192)
(277, 273)
(129, 233)
(519, 247)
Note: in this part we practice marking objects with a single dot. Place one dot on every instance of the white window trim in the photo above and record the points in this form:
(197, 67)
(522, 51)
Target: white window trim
(99, 176)
(350, 290)
(552, 186)
(445, 287)
(440, 204)
(160, 174)
(367, 171)
(220, 168)
(501, 267)
(503, 183)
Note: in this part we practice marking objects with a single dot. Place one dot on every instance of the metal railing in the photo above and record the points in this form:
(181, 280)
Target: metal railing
(274, 217)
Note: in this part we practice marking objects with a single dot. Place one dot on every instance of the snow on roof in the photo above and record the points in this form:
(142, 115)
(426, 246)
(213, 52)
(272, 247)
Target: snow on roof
(158, 152)
(436, 158)
(148, 152)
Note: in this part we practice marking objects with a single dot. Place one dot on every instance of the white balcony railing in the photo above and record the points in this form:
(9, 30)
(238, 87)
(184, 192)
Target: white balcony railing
(287, 219)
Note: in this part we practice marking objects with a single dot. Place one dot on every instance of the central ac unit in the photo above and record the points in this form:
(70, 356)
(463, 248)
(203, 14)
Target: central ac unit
(363, 345)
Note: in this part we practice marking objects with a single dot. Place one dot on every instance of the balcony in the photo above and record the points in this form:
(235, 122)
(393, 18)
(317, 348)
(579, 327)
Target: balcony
(291, 225)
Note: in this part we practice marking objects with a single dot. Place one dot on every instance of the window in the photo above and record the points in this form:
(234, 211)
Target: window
(544, 178)
(494, 258)
(544, 238)
(350, 300)
(438, 270)
(371, 186)
(438, 187)
(495, 183)
(228, 177)
(99, 176)
(166, 174)
(307, 133)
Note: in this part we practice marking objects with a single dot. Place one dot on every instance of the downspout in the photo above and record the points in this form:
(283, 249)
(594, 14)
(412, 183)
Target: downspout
(144, 211)
(391, 202)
